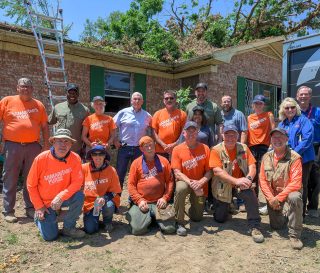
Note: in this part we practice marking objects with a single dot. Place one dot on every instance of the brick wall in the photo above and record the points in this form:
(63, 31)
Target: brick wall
(251, 65)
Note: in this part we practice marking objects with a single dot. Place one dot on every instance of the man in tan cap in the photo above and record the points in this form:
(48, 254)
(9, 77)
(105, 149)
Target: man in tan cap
(23, 118)
(55, 181)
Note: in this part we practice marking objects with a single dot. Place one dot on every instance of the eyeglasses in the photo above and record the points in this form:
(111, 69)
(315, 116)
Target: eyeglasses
(97, 154)
(290, 107)
(169, 98)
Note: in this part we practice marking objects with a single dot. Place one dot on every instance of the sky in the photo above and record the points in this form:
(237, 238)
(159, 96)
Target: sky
(77, 11)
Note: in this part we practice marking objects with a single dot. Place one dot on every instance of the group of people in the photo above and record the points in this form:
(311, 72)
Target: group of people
(214, 155)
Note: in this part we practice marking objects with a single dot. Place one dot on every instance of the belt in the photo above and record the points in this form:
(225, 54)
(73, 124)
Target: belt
(22, 143)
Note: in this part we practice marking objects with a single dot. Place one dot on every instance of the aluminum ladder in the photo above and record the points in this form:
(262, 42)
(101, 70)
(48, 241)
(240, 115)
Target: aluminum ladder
(48, 32)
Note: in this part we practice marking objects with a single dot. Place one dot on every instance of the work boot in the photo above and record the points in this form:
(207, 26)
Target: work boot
(73, 233)
(30, 213)
(181, 230)
(108, 227)
(296, 243)
(257, 236)
(10, 217)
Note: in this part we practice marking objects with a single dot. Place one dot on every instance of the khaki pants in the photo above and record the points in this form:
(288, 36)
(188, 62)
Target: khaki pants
(290, 213)
(196, 208)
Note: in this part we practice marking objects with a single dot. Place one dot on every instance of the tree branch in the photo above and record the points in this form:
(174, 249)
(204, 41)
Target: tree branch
(235, 26)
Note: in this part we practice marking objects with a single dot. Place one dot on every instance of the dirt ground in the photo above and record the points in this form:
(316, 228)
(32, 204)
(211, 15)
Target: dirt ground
(209, 247)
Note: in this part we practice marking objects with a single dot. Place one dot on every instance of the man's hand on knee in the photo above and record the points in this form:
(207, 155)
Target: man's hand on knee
(40, 213)
(143, 206)
(56, 203)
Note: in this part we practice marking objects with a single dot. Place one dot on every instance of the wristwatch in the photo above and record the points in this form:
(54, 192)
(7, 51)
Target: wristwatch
(249, 177)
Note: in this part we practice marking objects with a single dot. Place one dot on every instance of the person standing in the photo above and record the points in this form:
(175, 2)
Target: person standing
(304, 95)
(132, 124)
(211, 110)
(281, 183)
(167, 124)
(70, 115)
(300, 132)
(23, 118)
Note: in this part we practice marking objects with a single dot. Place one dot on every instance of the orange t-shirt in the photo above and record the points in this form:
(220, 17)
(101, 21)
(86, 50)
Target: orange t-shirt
(193, 163)
(294, 182)
(49, 177)
(215, 161)
(99, 127)
(259, 128)
(152, 186)
(98, 184)
(22, 119)
(168, 126)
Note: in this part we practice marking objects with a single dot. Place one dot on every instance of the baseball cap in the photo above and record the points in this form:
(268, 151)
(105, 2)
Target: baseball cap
(201, 85)
(25, 82)
(97, 98)
(72, 86)
(198, 108)
(280, 130)
(98, 149)
(230, 127)
(190, 124)
(259, 98)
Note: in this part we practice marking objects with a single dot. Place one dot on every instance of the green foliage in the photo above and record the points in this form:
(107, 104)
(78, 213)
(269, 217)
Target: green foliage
(11, 239)
(183, 97)
(218, 32)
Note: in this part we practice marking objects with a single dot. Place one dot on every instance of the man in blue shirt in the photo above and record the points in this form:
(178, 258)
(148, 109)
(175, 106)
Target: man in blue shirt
(132, 124)
(304, 95)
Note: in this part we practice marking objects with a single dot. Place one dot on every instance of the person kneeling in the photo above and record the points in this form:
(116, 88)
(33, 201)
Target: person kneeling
(101, 189)
(281, 183)
(150, 186)
(54, 181)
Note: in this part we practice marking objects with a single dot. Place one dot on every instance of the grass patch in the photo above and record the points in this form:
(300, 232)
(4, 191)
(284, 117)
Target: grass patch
(11, 239)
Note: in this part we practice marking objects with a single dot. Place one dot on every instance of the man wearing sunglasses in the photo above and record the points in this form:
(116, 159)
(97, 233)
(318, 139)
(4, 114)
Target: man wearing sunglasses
(167, 124)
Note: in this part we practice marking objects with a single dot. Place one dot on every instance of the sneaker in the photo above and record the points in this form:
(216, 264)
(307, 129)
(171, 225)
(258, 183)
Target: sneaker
(73, 233)
(30, 213)
(181, 230)
(296, 243)
(242, 208)
(108, 227)
(257, 236)
(10, 218)
(263, 210)
(313, 213)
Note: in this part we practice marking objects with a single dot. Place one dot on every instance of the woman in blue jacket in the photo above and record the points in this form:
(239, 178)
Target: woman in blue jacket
(300, 132)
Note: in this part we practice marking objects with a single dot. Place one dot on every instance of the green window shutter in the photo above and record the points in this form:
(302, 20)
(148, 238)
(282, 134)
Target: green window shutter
(140, 85)
(241, 96)
(96, 81)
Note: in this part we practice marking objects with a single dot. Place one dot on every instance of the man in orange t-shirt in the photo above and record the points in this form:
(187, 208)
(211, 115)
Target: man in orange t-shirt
(101, 188)
(190, 162)
(234, 168)
(54, 181)
(150, 186)
(98, 127)
(23, 118)
(167, 124)
(281, 182)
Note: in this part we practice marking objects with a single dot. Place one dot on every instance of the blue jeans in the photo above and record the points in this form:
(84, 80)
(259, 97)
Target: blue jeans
(48, 227)
(91, 223)
(125, 155)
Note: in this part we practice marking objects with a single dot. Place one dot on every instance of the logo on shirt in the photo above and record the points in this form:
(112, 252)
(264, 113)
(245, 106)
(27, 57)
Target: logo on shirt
(24, 114)
(98, 124)
(57, 177)
(256, 124)
(92, 185)
(193, 163)
(168, 122)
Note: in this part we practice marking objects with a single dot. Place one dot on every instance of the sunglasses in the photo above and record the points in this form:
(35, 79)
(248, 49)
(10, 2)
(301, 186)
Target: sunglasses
(290, 107)
(98, 154)
(169, 98)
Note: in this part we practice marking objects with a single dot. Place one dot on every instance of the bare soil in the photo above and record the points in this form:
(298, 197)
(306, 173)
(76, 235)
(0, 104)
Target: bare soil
(209, 247)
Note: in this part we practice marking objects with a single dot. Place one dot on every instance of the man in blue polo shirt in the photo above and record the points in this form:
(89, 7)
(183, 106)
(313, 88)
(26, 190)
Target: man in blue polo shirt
(304, 95)
(132, 124)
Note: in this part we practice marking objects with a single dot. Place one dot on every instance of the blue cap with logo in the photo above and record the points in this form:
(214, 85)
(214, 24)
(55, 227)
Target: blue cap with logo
(190, 124)
(230, 127)
(259, 98)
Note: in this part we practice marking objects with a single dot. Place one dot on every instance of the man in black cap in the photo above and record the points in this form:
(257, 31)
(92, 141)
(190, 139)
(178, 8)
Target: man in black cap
(211, 109)
(70, 115)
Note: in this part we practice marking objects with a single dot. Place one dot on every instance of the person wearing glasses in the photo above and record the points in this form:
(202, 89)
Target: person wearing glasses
(300, 133)
(167, 124)
(101, 190)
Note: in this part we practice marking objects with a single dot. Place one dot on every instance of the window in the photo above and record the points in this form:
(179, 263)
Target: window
(117, 90)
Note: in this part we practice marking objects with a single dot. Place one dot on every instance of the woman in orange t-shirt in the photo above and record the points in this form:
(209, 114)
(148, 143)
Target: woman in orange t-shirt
(260, 124)
(98, 127)
(101, 190)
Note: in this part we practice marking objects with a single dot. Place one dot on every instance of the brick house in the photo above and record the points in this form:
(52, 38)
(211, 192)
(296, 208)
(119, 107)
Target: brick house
(241, 71)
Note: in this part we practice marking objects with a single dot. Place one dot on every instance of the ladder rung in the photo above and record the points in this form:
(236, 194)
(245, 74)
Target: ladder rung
(63, 84)
(52, 56)
(55, 69)
(46, 17)
(49, 42)
(49, 30)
